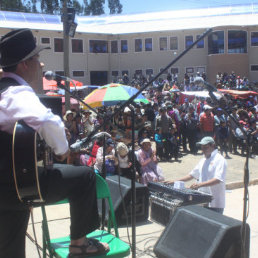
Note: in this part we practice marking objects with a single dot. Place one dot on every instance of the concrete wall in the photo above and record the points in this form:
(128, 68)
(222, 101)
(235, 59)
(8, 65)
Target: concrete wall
(155, 59)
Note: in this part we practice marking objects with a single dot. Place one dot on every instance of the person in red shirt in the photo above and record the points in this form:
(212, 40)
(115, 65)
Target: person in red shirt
(207, 122)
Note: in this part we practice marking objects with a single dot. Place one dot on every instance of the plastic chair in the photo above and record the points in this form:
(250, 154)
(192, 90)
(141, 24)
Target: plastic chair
(59, 247)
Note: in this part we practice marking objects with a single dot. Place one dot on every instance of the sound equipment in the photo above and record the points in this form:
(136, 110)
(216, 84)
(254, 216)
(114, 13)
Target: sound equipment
(198, 232)
(188, 196)
(142, 199)
(162, 208)
(52, 102)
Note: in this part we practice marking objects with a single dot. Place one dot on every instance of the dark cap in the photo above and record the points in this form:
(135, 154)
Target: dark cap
(17, 46)
(109, 142)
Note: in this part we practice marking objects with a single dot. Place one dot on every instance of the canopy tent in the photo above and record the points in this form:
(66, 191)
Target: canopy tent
(238, 94)
(190, 95)
(52, 84)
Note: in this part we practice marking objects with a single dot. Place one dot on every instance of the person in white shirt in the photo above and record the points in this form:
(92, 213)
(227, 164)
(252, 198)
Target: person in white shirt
(18, 101)
(210, 174)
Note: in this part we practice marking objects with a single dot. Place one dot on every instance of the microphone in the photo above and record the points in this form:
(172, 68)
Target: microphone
(77, 145)
(49, 75)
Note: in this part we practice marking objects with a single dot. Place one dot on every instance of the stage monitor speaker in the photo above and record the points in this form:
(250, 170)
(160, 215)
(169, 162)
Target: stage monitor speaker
(142, 199)
(196, 232)
(52, 102)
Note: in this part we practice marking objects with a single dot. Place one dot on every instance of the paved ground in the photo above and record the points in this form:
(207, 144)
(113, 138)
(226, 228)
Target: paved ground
(148, 233)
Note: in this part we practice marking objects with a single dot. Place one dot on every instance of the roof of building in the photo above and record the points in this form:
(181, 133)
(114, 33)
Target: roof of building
(236, 15)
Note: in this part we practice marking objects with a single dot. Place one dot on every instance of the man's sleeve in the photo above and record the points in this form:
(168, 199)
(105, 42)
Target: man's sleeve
(220, 170)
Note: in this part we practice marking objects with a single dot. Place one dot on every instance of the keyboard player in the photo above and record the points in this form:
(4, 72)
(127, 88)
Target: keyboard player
(210, 173)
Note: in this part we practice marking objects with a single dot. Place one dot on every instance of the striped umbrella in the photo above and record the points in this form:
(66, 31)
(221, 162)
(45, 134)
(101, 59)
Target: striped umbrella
(112, 94)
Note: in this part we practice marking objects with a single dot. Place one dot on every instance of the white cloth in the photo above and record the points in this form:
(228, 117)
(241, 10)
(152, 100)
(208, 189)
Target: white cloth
(99, 158)
(123, 162)
(213, 167)
(21, 102)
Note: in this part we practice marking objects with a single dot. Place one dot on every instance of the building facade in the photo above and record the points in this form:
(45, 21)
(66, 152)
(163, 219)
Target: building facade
(135, 44)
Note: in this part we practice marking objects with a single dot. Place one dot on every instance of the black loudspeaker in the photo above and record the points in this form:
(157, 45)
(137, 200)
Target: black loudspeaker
(142, 199)
(196, 232)
(52, 102)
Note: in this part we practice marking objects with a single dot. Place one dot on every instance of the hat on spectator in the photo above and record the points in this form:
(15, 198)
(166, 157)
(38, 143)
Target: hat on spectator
(68, 112)
(147, 124)
(109, 142)
(207, 107)
(127, 109)
(206, 140)
(146, 140)
(122, 149)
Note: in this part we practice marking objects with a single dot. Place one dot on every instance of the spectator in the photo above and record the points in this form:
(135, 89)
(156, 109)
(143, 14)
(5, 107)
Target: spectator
(207, 122)
(150, 171)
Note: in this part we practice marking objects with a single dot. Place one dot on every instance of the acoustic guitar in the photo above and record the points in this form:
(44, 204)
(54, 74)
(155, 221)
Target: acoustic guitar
(28, 152)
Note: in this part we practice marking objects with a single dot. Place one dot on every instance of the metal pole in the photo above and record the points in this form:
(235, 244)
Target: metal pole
(66, 53)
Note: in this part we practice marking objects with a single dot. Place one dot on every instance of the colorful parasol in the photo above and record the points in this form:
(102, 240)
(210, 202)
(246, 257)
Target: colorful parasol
(113, 94)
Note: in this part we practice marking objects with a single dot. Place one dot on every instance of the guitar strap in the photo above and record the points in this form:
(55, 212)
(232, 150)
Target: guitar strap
(7, 82)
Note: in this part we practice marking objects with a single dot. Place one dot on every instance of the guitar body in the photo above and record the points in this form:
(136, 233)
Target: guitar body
(25, 162)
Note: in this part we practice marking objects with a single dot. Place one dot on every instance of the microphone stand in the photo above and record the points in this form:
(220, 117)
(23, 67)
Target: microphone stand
(211, 89)
(127, 103)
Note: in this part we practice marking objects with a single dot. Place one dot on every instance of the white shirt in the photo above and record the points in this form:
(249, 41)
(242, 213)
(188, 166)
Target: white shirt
(21, 102)
(213, 167)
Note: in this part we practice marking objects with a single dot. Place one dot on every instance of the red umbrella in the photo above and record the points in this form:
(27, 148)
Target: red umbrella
(52, 85)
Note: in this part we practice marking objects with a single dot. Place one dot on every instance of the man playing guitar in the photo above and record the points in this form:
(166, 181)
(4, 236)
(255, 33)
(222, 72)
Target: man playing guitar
(18, 101)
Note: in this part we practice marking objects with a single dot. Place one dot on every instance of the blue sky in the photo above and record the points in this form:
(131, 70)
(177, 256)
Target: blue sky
(141, 6)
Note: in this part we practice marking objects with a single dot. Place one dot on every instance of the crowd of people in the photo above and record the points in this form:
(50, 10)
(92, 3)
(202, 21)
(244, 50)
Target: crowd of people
(171, 128)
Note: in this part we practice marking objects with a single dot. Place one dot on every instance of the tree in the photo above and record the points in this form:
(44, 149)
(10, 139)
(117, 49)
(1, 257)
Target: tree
(97, 7)
(94, 7)
(13, 5)
(114, 6)
(50, 6)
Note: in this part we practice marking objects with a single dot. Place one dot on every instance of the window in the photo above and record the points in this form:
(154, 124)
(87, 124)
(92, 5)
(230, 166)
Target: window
(163, 43)
(200, 69)
(124, 46)
(98, 46)
(189, 70)
(174, 70)
(254, 68)
(138, 72)
(165, 72)
(188, 41)
(149, 71)
(148, 44)
(237, 41)
(58, 45)
(114, 46)
(138, 45)
(216, 43)
(45, 40)
(125, 72)
(200, 44)
(254, 39)
(77, 46)
(114, 73)
(78, 73)
(173, 43)
(61, 73)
